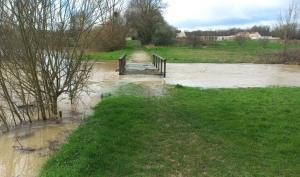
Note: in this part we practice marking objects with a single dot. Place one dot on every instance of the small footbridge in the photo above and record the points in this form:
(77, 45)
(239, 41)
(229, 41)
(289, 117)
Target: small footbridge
(141, 63)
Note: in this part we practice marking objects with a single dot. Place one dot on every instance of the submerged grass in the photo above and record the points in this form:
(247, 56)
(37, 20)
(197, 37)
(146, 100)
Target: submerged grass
(189, 132)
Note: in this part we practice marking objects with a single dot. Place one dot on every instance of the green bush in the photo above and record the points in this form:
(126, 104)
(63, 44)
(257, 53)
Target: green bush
(164, 35)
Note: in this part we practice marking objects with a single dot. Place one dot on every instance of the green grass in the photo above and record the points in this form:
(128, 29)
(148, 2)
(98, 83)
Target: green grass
(189, 132)
(130, 47)
(221, 52)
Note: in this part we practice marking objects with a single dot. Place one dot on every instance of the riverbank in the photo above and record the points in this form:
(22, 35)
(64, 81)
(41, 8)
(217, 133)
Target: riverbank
(188, 132)
(226, 52)
(219, 52)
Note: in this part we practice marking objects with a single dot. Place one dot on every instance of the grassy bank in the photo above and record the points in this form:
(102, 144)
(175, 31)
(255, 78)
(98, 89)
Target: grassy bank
(222, 52)
(129, 48)
(190, 132)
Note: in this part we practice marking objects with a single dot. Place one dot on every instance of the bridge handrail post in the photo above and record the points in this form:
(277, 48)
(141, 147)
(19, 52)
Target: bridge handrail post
(122, 64)
(165, 68)
(161, 66)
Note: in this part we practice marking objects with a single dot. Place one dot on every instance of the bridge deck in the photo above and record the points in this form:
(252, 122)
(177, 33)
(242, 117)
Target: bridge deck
(141, 68)
(141, 63)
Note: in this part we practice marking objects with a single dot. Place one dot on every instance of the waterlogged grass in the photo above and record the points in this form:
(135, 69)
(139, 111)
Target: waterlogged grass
(189, 132)
(221, 52)
(130, 47)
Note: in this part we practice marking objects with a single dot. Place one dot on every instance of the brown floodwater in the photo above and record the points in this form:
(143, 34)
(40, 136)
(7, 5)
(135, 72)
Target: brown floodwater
(25, 156)
(25, 149)
(233, 75)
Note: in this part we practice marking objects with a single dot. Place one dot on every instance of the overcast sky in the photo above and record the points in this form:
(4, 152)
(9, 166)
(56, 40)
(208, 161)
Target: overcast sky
(222, 14)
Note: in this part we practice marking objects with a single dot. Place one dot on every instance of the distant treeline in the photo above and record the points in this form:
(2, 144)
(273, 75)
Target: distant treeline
(263, 30)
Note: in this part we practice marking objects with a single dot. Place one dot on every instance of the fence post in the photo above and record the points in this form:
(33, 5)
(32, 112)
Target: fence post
(153, 59)
(120, 67)
(161, 66)
(122, 64)
(165, 67)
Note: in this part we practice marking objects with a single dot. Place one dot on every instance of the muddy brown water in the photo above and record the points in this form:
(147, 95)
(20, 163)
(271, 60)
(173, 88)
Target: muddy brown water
(25, 155)
(233, 75)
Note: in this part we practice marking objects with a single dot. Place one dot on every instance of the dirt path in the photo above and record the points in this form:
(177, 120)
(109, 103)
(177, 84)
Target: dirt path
(139, 57)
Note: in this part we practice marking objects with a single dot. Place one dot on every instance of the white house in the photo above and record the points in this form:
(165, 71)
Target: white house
(181, 35)
(253, 36)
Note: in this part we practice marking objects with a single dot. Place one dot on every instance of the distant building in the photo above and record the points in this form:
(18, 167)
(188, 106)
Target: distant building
(181, 34)
(253, 36)
(271, 38)
(226, 38)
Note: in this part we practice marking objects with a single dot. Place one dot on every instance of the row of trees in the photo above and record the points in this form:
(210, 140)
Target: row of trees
(141, 19)
(41, 54)
(144, 20)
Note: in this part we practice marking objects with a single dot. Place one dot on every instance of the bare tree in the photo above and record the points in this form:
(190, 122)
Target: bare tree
(111, 35)
(41, 52)
(288, 22)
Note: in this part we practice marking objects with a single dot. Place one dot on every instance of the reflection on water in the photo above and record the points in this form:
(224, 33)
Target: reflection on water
(24, 150)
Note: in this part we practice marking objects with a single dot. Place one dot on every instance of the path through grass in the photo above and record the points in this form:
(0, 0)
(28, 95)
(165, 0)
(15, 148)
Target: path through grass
(130, 47)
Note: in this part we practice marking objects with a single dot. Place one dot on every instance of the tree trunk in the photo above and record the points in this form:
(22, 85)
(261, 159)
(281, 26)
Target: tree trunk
(54, 107)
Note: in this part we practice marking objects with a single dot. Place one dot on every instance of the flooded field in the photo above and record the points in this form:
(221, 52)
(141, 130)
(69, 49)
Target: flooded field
(233, 75)
(24, 150)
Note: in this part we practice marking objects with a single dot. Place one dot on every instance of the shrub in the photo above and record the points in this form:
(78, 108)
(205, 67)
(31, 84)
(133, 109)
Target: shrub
(109, 37)
(264, 42)
(195, 41)
(241, 40)
(164, 35)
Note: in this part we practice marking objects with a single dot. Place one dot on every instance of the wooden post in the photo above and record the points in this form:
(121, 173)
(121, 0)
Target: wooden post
(120, 66)
(161, 66)
(165, 68)
(152, 59)
(60, 115)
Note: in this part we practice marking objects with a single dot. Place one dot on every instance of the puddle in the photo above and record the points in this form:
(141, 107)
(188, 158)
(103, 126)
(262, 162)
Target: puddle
(39, 140)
